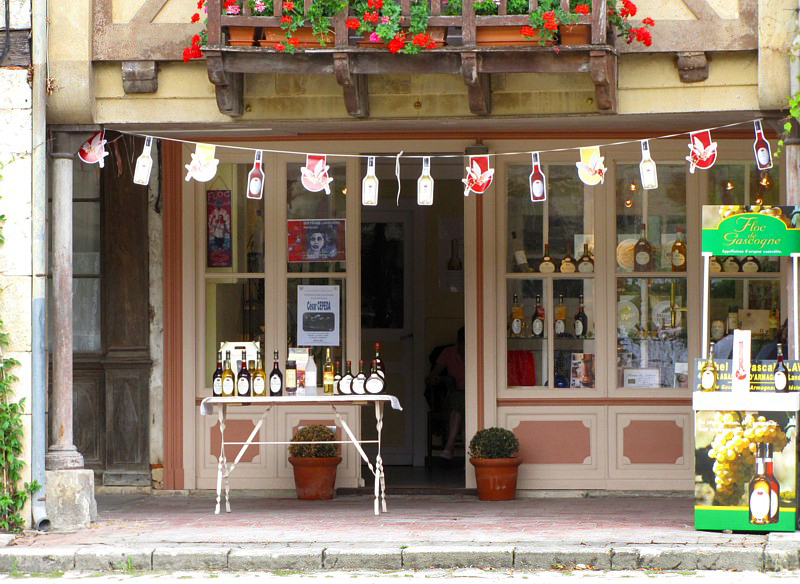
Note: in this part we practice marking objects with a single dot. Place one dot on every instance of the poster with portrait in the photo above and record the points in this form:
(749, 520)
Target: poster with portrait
(316, 240)
(219, 250)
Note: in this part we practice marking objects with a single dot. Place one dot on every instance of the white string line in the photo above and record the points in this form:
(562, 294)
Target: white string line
(394, 156)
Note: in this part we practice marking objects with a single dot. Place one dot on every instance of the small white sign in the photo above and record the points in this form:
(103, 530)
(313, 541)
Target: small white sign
(649, 377)
(318, 316)
(740, 380)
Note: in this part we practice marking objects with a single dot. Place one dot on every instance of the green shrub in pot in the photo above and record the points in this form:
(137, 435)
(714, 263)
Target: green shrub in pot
(493, 443)
(313, 433)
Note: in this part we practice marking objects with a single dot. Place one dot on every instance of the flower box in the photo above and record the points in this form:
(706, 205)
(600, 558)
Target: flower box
(306, 40)
(437, 33)
(575, 35)
(241, 36)
(505, 36)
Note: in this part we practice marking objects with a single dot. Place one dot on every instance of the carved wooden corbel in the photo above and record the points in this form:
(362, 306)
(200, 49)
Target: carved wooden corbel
(692, 67)
(479, 85)
(140, 76)
(604, 74)
(229, 87)
(354, 86)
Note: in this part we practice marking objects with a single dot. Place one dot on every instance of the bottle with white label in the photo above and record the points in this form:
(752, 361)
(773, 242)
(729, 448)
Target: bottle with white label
(425, 183)
(731, 264)
(216, 379)
(568, 264)
(228, 378)
(275, 378)
(560, 317)
(547, 265)
(581, 320)
(259, 378)
(708, 374)
(643, 253)
(344, 387)
(144, 164)
(678, 252)
(761, 148)
(714, 266)
(369, 186)
(243, 379)
(538, 182)
(359, 380)
(537, 324)
(374, 384)
(255, 180)
(516, 320)
(750, 264)
(780, 374)
(518, 256)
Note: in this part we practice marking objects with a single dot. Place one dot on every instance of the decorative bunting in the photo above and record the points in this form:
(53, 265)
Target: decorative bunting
(538, 182)
(255, 179)
(702, 151)
(369, 186)
(590, 169)
(314, 175)
(93, 151)
(425, 183)
(479, 175)
(761, 148)
(203, 166)
(144, 164)
(647, 168)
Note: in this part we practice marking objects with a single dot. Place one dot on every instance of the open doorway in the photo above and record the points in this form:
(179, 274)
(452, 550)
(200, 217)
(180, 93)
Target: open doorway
(412, 303)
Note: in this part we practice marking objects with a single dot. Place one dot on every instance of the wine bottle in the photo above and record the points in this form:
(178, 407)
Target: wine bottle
(255, 179)
(761, 148)
(780, 374)
(561, 317)
(374, 383)
(216, 378)
(537, 324)
(243, 378)
(516, 320)
(291, 378)
(346, 382)
(369, 186)
(260, 378)
(379, 361)
(519, 257)
(538, 182)
(327, 374)
(586, 263)
(647, 168)
(228, 378)
(359, 380)
(425, 183)
(547, 265)
(581, 320)
(275, 378)
(750, 264)
(708, 373)
(763, 491)
(568, 264)
(678, 253)
(337, 375)
(775, 487)
(731, 264)
(643, 253)
(714, 266)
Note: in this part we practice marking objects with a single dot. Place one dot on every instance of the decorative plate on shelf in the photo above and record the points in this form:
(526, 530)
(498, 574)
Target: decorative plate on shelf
(661, 314)
(627, 315)
(625, 254)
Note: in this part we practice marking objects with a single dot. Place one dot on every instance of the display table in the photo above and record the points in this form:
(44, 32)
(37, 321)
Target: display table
(224, 470)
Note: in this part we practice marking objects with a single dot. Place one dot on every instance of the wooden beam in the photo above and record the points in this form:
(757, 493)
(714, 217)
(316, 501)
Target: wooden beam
(354, 87)
(148, 11)
(140, 76)
(604, 75)
(228, 86)
(479, 85)
(692, 67)
(19, 52)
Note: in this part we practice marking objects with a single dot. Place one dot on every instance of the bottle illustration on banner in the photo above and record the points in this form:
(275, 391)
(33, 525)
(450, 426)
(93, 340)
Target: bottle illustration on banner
(708, 375)
(203, 166)
(255, 180)
(93, 151)
(780, 374)
(591, 169)
(761, 148)
(479, 175)
(425, 183)
(741, 372)
(314, 175)
(647, 168)
(538, 182)
(702, 151)
(144, 164)
(763, 492)
(369, 185)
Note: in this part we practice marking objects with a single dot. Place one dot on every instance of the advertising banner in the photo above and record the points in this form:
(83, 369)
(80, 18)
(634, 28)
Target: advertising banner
(318, 316)
(736, 230)
(762, 376)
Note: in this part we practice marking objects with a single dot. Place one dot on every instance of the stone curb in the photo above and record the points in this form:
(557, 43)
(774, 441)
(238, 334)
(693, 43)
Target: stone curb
(190, 558)
(275, 558)
(543, 558)
(100, 558)
(377, 558)
(458, 556)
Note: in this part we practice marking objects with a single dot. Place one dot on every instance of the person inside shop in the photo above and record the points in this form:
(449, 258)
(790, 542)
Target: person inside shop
(769, 352)
(451, 362)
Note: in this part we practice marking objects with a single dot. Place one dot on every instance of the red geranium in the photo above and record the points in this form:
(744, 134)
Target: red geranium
(293, 41)
(643, 36)
(286, 18)
(649, 22)
(288, 5)
(551, 25)
(549, 16)
(527, 31)
(582, 9)
(375, 4)
(352, 23)
(279, 47)
(195, 18)
(200, 4)
(371, 17)
(628, 8)
(397, 43)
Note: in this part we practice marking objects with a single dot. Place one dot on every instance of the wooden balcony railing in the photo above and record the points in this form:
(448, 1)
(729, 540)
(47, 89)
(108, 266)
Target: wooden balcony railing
(351, 63)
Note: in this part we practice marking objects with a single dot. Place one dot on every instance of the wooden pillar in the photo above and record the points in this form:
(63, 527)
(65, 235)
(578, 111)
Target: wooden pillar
(792, 167)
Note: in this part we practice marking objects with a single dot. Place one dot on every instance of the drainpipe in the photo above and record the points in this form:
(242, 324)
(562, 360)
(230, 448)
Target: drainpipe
(39, 263)
(794, 64)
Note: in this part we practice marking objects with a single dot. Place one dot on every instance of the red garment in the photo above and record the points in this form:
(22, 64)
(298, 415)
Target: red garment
(521, 369)
(450, 359)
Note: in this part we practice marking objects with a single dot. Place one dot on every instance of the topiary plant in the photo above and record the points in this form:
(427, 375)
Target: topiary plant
(493, 443)
(313, 433)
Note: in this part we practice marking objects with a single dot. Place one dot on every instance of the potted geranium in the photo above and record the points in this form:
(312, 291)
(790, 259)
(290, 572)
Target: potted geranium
(314, 464)
(618, 17)
(379, 23)
(493, 453)
(318, 17)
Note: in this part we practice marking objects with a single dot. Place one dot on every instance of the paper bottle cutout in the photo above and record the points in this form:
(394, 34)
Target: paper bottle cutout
(369, 186)
(144, 164)
(479, 175)
(591, 169)
(255, 179)
(538, 182)
(647, 168)
(425, 183)
(314, 175)
(93, 151)
(761, 148)
(702, 151)
(203, 166)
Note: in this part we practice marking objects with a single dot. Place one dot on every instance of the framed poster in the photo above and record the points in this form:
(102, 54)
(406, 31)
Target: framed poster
(219, 249)
(318, 316)
(316, 240)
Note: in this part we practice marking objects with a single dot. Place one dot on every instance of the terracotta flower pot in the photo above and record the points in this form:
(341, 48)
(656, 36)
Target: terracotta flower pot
(504, 36)
(575, 35)
(315, 478)
(241, 36)
(306, 40)
(496, 478)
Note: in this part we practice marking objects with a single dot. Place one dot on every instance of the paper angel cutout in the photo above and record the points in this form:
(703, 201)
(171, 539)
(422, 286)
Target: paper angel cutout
(314, 175)
(702, 151)
(479, 175)
(591, 169)
(201, 168)
(93, 151)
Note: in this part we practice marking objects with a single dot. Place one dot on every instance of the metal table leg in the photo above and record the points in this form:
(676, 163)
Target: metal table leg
(225, 472)
(221, 417)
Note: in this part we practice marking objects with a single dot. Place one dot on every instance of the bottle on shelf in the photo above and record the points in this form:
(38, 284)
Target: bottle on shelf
(581, 320)
(243, 378)
(327, 374)
(359, 380)
(516, 320)
(560, 317)
(379, 361)
(763, 492)
(708, 373)
(751, 264)
(519, 257)
(291, 378)
(228, 378)
(337, 375)
(733, 319)
(568, 264)
(643, 253)
(586, 262)
(259, 378)
(276, 378)
(537, 323)
(714, 266)
(780, 374)
(731, 264)
(346, 382)
(374, 384)
(678, 252)
(547, 265)
(216, 378)
(310, 375)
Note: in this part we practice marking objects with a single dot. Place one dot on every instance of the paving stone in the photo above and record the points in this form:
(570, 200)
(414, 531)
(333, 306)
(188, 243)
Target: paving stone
(22, 560)
(624, 558)
(367, 558)
(781, 556)
(667, 558)
(102, 558)
(569, 558)
(458, 556)
(730, 558)
(190, 558)
(275, 558)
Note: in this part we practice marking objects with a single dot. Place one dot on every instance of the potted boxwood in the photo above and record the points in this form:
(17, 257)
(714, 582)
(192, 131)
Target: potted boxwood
(314, 464)
(492, 452)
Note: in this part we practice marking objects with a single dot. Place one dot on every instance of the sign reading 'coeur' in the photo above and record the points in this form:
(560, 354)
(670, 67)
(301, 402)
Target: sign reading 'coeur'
(756, 230)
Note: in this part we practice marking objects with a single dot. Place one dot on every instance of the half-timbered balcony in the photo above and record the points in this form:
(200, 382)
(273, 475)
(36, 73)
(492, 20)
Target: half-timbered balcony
(352, 64)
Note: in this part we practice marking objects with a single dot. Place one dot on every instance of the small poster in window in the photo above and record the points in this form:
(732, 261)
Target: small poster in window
(219, 250)
(318, 316)
(316, 240)
(581, 371)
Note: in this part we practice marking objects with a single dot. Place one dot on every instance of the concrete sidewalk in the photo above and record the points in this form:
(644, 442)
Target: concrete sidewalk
(136, 532)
